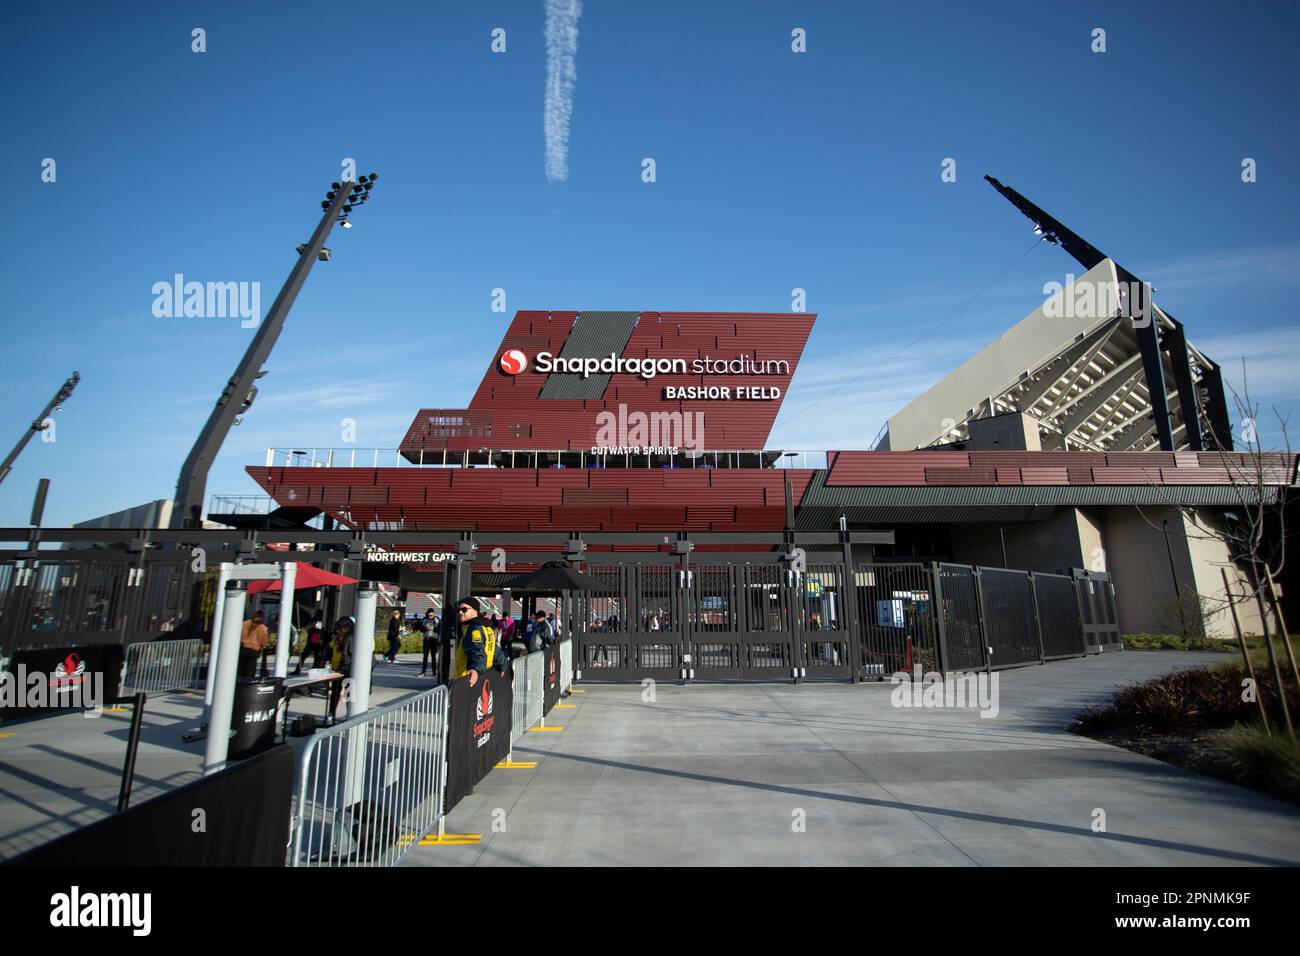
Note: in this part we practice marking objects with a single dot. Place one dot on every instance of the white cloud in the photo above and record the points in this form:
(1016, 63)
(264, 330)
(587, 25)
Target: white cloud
(838, 406)
(1249, 269)
(561, 78)
(1271, 356)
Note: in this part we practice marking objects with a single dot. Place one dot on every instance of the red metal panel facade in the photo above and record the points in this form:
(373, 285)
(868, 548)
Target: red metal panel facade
(507, 412)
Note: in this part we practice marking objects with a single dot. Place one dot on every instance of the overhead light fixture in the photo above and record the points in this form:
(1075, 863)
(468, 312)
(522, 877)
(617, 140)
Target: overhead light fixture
(346, 224)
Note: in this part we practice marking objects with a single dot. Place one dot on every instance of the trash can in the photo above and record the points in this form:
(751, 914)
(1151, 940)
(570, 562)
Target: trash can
(257, 708)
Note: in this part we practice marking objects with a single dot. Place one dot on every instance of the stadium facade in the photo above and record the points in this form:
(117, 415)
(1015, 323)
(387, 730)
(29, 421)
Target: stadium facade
(1043, 452)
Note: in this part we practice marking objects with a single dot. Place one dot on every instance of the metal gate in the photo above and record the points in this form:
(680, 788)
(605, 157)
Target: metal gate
(774, 621)
(824, 622)
(718, 621)
(1096, 600)
(896, 614)
(632, 627)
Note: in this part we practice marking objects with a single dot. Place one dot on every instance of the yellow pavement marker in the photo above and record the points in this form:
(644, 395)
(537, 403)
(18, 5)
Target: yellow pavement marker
(517, 765)
(6, 733)
(452, 839)
(565, 706)
(539, 730)
(576, 690)
(114, 710)
(447, 839)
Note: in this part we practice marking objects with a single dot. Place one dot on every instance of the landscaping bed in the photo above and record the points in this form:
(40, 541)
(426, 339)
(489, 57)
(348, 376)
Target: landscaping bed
(1198, 720)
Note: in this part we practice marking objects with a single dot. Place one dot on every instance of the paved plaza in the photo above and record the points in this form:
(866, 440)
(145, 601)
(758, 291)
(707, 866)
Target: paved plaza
(722, 774)
(770, 774)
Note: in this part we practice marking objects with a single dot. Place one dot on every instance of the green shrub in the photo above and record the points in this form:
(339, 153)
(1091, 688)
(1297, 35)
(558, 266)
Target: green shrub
(1176, 642)
(1185, 701)
(1264, 761)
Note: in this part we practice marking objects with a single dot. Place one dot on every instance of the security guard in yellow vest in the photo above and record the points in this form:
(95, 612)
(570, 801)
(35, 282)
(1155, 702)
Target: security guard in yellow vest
(476, 649)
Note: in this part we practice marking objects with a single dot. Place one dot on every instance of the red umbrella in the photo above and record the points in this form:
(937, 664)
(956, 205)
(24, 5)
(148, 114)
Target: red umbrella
(308, 576)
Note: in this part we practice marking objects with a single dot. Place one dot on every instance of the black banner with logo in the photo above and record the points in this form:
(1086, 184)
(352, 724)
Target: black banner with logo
(235, 817)
(49, 679)
(550, 678)
(478, 732)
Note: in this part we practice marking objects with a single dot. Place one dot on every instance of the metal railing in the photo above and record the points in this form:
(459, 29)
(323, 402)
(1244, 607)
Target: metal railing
(372, 787)
(159, 666)
(539, 458)
(535, 672)
(566, 665)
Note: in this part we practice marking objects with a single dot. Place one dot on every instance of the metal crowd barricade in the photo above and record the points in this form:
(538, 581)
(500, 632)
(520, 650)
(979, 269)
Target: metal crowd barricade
(519, 684)
(566, 665)
(372, 787)
(535, 665)
(158, 666)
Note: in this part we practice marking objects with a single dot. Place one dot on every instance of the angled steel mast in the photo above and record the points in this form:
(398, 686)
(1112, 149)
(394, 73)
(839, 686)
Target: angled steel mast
(240, 391)
(1152, 341)
(38, 424)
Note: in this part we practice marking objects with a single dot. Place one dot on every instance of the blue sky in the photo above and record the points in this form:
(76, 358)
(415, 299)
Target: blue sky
(775, 170)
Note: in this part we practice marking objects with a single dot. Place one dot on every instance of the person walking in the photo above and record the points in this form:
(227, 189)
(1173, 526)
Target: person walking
(394, 636)
(315, 645)
(476, 648)
(432, 638)
(252, 639)
(341, 662)
(539, 635)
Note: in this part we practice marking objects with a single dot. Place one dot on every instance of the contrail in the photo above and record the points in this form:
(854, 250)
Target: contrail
(561, 77)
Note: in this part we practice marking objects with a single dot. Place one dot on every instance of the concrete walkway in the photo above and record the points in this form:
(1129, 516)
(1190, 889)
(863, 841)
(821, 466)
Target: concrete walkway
(835, 775)
(62, 772)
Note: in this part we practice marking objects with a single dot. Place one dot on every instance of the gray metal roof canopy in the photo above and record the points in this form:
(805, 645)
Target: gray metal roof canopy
(1101, 382)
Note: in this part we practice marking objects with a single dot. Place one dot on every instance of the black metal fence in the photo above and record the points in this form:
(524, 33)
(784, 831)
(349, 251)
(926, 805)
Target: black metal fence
(955, 617)
(85, 601)
(743, 619)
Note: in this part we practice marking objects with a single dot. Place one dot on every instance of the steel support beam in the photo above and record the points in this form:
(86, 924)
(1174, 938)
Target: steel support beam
(1175, 342)
(1216, 407)
(1149, 347)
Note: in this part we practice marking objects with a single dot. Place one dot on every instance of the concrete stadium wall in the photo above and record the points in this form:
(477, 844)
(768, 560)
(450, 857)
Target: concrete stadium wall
(1049, 545)
(1144, 583)
(1130, 544)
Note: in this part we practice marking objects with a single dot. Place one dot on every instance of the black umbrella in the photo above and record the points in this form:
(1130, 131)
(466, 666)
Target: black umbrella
(551, 577)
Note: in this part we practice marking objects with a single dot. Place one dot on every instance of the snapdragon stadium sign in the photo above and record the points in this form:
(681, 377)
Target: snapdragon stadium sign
(513, 362)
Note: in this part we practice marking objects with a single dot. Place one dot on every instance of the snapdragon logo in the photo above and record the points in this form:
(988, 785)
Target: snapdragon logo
(211, 300)
(513, 362)
(74, 909)
(70, 686)
(971, 689)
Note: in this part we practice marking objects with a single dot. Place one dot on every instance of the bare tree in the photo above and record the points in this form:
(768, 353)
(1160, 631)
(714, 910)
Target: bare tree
(1254, 532)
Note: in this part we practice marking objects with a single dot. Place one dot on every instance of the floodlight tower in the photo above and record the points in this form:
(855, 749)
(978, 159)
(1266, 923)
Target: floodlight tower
(240, 391)
(39, 424)
(1155, 338)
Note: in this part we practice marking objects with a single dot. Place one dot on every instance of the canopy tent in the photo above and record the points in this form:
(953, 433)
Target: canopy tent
(552, 577)
(308, 576)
